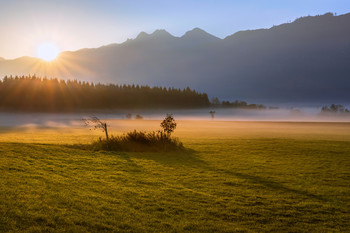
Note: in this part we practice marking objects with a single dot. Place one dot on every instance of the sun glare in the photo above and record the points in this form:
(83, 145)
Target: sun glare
(47, 51)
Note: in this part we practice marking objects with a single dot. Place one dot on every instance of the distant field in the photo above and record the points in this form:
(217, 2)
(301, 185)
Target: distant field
(235, 177)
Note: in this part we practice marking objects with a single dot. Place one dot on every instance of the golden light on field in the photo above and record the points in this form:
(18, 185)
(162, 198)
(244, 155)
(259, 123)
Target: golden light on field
(47, 51)
(188, 131)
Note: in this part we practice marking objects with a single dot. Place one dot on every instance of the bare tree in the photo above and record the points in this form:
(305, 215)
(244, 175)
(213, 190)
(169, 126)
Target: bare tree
(97, 124)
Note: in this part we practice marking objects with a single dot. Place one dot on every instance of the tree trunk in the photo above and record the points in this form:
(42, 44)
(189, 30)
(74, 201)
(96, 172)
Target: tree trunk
(106, 131)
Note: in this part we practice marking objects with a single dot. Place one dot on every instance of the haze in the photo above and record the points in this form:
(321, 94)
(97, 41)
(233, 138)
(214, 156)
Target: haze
(79, 24)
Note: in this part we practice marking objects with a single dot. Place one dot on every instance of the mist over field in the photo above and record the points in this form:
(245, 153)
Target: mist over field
(58, 120)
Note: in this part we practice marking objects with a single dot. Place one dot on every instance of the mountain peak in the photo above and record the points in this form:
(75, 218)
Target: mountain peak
(325, 16)
(198, 34)
(161, 33)
(142, 35)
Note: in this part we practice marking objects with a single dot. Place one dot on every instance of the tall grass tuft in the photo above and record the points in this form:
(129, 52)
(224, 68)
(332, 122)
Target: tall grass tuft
(138, 141)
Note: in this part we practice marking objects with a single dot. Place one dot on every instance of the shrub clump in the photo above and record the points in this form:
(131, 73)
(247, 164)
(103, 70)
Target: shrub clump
(138, 141)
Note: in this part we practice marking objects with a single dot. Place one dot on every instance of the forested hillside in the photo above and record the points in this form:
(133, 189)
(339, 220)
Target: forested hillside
(30, 93)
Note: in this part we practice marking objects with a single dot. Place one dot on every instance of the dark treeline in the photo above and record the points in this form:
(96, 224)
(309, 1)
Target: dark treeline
(334, 108)
(242, 104)
(30, 93)
(215, 102)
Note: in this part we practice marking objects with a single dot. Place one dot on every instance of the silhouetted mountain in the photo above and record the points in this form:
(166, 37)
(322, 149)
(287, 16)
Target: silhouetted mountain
(307, 60)
(156, 35)
(198, 34)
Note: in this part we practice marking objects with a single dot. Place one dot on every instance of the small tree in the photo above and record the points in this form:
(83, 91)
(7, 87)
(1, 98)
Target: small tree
(212, 114)
(168, 125)
(138, 117)
(97, 124)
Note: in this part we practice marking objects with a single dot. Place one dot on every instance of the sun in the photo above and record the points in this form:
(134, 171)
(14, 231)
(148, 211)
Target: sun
(47, 51)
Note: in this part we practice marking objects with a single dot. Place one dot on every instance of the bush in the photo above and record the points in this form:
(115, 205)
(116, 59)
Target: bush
(138, 117)
(138, 141)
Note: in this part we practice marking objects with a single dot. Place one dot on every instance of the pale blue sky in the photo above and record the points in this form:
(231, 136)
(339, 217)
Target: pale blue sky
(75, 24)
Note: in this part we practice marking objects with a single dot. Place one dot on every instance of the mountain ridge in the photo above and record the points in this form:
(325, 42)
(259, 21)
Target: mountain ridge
(306, 60)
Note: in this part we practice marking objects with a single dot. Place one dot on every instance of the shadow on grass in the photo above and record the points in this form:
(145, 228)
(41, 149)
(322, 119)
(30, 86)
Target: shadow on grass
(189, 158)
(179, 157)
(186, 157)
(274, 185)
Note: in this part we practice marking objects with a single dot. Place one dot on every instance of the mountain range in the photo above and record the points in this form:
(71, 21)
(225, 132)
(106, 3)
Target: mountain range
(305, 61)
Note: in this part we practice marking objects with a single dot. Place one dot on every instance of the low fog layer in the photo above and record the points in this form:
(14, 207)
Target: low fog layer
(75, 120)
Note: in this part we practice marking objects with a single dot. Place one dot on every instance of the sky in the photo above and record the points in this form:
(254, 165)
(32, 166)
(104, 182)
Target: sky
(74, 24)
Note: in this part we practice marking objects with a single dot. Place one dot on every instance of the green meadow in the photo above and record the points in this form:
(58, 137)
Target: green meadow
(232, 177)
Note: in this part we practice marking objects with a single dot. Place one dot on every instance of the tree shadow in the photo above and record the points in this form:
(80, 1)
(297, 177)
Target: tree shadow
(274, 185)
(190, 158)
(185, 157)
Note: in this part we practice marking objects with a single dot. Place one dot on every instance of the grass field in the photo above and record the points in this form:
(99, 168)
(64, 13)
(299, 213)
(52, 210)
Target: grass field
(234, 177)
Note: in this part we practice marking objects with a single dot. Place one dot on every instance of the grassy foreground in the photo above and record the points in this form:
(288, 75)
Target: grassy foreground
(236, 177)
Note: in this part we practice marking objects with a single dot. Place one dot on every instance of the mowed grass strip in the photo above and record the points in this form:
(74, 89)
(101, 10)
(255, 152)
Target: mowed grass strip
(225, 185)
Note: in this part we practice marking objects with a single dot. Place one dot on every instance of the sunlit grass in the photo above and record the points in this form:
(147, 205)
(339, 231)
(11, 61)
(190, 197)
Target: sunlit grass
(244, 177)
(188, 131)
